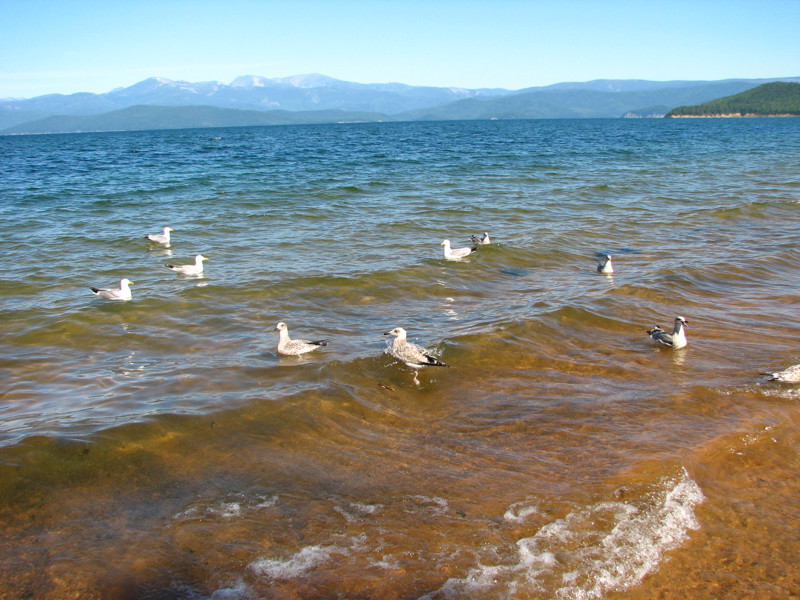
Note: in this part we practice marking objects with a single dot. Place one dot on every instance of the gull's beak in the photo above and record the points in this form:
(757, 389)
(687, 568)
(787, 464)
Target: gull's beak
(131, 282)
(442, 244)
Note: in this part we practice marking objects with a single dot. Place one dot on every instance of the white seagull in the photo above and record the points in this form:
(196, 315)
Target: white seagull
(676, 339)
(605, 266)
(483, 240)
(790, 375)
(123, 293)
(410, 354)
(160, 238)
(291, 347)
(455, 253)
(195, 269)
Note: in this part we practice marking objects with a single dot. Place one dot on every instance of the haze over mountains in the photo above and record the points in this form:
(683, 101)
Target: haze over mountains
(158, 103)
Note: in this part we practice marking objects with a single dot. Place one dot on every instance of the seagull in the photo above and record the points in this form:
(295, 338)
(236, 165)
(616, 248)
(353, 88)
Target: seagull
(195, 269)
(160, 238)
(483, 240)
(455, 253)
(290, 347)
(790, 375)
(676, 339)
(606, 266)
(412, 355)
(123, 293)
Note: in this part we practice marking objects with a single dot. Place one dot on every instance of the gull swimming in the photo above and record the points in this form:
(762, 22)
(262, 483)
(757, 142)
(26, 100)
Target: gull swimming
(483, 240)
(195, 269)
(790, 375)
(410, 354)
(291, 347)
(455, 253)
(605, 265)
(160, 238)
(123, 293)
(676, 339)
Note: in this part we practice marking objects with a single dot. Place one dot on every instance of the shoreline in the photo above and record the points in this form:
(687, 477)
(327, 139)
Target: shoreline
(728, 116)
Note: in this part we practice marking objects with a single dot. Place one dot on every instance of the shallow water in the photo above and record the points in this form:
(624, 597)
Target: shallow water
(160, 448)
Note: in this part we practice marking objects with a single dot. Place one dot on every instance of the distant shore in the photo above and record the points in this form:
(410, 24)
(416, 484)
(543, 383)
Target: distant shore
(728, 116)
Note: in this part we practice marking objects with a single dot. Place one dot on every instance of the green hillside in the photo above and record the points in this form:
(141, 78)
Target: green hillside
(770, 99)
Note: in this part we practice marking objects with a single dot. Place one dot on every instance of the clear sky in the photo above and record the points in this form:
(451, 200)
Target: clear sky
(67, 46)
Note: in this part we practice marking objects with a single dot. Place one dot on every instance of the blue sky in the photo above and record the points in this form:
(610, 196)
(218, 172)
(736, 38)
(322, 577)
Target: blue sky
(67, 46)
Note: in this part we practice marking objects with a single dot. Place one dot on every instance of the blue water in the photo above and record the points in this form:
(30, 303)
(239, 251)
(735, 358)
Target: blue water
(163, 409)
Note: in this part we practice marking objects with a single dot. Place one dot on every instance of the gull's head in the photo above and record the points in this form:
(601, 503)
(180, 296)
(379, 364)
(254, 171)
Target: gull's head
(280, 327)
(125, 281)
(398, 331)
(445, 243)
(200, 257)
(168, 229)
(681, 320)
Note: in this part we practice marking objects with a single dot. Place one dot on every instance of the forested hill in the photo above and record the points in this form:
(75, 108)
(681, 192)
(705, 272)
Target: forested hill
(770, 99)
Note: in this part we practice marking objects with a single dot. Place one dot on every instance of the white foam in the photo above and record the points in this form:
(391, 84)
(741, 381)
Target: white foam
(357, 510)
(305, 560)
(608, 546)
(434, 505)
(294, 566)
(226, 509)
(519, 511)
(267, 502)
(239, 592)
(768, 389)
(635, 545)
(388, 562)
(763, 434)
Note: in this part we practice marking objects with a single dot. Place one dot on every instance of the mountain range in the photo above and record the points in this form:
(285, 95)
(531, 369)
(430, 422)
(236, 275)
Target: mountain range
(159, 103)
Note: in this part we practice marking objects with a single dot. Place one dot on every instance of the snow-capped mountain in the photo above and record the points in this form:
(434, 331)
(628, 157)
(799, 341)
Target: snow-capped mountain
(296, 93)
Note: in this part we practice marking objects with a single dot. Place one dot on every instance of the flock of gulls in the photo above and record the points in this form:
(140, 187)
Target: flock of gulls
(408, 353)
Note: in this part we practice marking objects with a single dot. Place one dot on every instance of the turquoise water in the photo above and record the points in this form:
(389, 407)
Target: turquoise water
(161, 448)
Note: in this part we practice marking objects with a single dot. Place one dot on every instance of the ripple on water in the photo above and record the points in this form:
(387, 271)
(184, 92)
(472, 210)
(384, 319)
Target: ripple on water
(166, 435)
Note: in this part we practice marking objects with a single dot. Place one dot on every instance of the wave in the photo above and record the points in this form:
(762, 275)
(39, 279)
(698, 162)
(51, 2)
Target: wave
(592, 550)
(307, 559)
(608, 546)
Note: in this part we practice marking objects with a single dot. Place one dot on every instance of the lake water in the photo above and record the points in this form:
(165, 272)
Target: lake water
(160, 448)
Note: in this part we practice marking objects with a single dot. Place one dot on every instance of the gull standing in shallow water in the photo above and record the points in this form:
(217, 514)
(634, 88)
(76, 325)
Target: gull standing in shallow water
(676, 339)
(455, 253)
(160, 238)
(410, 354)
(289, 347)
(605, 266)
(195, 269)
(123, 293)
(790, 375)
